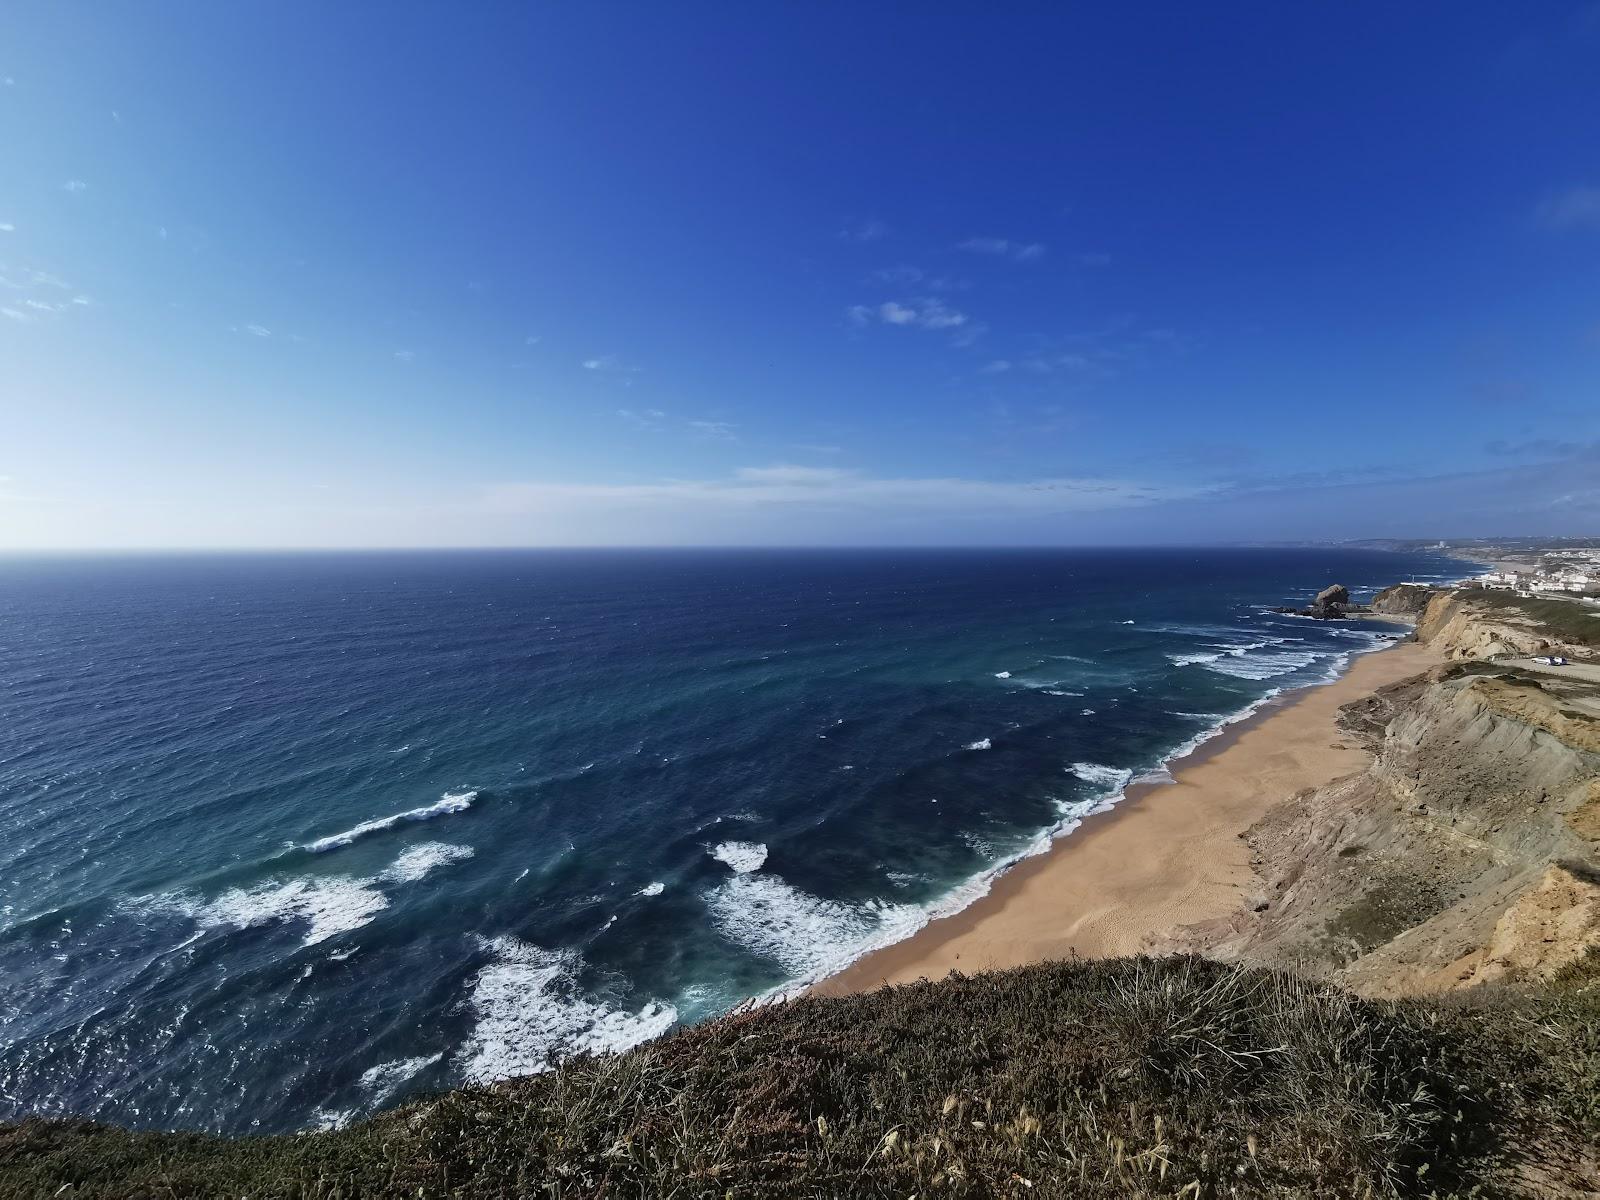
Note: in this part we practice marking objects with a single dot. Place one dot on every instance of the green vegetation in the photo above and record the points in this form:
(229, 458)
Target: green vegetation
(1131, 1077)
(1570, 621)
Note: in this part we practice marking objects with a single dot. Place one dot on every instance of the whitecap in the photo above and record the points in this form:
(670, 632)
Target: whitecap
(980, 744)
(452, 802)
(807, 936)
(1002, 674)
(417, 861)
(381, 1081)
(743, 857)
(1264, 666)
(530, 1013)
(651, 889)
(1108, 779)
(328, 906)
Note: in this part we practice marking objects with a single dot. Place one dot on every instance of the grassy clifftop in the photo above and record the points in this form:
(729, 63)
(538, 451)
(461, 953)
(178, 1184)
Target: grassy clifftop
(1130, 1077)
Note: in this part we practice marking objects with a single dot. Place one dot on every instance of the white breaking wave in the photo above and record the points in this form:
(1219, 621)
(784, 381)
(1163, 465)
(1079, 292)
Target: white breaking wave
(1108, 779)
(415, 863)
(743, 857)
(380, 1082)
(329, 904)
(980, 744)
(530, 1013)
(806, 935)
(651, 889)
(452, 802)
(1264, 666)
(1002, 674)
(1190, 660)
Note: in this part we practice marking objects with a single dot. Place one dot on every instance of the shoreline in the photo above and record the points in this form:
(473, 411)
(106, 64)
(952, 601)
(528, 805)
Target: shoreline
(1169, 853)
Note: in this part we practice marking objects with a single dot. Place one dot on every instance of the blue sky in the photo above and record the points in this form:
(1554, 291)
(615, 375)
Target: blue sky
(402, 274)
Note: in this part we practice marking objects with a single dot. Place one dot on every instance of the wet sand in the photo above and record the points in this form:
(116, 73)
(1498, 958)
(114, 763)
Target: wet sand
(1167, 855)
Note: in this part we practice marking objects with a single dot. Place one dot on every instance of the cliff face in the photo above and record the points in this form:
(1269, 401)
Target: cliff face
(1461, 625)
(1402, 599)
(1465, 852)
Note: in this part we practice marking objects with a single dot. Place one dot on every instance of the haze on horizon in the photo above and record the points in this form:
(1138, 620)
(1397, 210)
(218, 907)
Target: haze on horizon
(299, 275)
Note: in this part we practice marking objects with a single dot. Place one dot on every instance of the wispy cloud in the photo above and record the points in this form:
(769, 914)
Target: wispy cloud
(1570, 208)
(75, 185)
(924, 312)
(717, 431)
(1003, 248)
(656, 419)
(37, 294)
(532, 339)
(260, 331)
(7, 227)
(864, 231)
(609, 364)
(997, 366)
(405, 356)
(786, 485)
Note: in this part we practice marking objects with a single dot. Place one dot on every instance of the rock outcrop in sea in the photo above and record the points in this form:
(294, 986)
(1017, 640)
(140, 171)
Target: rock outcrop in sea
(1332, 603)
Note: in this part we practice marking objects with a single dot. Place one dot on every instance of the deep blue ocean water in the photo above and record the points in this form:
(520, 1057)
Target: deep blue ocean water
(286, 838)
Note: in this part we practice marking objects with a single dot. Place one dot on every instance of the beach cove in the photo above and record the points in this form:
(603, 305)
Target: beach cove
(1169, 854)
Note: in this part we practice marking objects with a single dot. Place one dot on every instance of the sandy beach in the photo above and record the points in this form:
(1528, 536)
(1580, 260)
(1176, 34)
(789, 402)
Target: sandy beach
(1169, 854)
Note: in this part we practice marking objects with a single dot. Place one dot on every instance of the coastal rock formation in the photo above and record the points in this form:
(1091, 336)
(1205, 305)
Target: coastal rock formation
(1330, 604)
(1402, 600)
(1465, 853)
(1460, 624)
(1336, 594)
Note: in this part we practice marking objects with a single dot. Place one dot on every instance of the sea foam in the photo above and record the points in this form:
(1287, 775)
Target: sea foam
(531, 1013)
(327, 904)
(807, 936)
(451, 802)
(742, 857)
(980, 744)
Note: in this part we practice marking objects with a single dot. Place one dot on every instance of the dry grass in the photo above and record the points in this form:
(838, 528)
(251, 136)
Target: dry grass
(1132, 1077)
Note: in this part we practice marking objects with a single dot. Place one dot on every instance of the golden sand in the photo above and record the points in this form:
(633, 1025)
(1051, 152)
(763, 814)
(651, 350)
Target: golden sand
(1167, 855)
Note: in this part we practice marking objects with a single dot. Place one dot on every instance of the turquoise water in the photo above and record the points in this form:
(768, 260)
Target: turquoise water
(284, 839)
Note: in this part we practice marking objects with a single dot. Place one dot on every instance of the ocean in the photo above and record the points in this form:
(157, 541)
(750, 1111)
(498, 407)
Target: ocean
(287, 838)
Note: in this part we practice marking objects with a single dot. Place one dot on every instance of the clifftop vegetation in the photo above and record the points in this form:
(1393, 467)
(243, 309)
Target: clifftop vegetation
(1127, 1077)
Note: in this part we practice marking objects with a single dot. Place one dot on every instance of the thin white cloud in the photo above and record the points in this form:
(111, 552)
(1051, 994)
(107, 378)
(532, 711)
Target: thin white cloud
(405, 356)
(838, 491)
(75, 185)
(904, 273)
(1047, 364)
(1571, 208)
(864, 231)
(7, 227)
(532, 340)
(1004, 248)
(787, 473)
(260, 331)
(14, 314)
(718, 431)
(924, 312)
(609, 364)
(656, 419)
(996, 367)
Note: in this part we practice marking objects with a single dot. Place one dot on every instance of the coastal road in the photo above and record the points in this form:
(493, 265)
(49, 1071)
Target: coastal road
(1589, 672)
